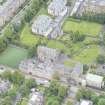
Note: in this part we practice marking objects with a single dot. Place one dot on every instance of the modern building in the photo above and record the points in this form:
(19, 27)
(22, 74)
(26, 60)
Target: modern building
(57, 8)
(42, 25)
(94, 81)
(47, 54)
(86, 102)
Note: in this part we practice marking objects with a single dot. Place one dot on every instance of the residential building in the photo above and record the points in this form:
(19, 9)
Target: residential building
(39, 69)
(94, 80)
(57, 8)
(86, 102)
(47, 54)
(42, 64)
(36, 98)
(94, 6)
(42, 25)
(4, 86)
(8, 10)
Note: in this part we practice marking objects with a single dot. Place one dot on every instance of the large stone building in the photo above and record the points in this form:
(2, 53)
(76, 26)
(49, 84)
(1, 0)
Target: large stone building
(43, 64)
(45, 26)
(42, 25)
(94, 6)
(57, 8)
(47, 54)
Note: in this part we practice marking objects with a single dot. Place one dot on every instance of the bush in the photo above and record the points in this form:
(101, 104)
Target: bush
(101, 59)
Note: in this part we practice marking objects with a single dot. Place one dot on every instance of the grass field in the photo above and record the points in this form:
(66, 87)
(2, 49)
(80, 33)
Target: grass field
(83, 27)
(27, 37)
(12, 56)
(88, 55)
(55, 44)
(69, 63)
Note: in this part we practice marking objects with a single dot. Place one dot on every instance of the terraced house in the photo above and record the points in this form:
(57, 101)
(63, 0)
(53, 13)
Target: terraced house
(95, 6)
(8, 10)
(57, 8)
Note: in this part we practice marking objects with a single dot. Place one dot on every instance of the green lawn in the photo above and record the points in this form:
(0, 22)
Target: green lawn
(55, 44)
(69, 63)
(82, 27)
(88, 55)
(27, 37)
(12, 56)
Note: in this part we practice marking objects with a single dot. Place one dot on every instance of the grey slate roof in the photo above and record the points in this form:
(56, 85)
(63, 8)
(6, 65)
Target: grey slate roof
(57, 5)
(42, 23)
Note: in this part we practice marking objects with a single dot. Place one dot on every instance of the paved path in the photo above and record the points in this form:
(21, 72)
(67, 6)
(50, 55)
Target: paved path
(77, 5)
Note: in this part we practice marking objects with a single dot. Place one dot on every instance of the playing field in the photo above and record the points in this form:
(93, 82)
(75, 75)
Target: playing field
(88, 55)
(12, 56)
(83, 27)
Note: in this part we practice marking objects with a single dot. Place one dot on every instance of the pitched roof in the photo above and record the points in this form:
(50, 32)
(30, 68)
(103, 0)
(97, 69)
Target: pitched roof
(42, 23)
(57, 5)
(95, 78)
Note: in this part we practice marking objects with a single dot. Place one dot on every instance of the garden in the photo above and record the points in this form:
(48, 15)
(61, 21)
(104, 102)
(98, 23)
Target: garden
(83, 27)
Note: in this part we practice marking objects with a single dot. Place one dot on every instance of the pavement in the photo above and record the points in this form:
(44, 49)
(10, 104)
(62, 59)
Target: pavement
(76, 7)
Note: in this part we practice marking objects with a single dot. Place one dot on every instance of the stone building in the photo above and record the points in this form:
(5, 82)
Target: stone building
(43, 65)
(94, 6)
(8, 10)
(42, 25)
(47, 54)
(57, 8)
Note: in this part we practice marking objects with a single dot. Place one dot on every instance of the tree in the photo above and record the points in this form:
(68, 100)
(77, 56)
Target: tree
(100, 59)
(85, 68)
(101, 101)
(62, 91)
(30, 83)
(7, 75)
(55, 93)
(17, 78)
(69, 103)
(77, 36)
(3, 44)
(79, 95)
